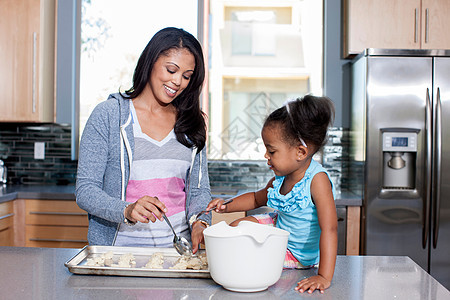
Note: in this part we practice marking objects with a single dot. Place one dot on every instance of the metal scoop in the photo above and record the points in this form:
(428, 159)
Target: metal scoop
(180, 243)
(207, 211)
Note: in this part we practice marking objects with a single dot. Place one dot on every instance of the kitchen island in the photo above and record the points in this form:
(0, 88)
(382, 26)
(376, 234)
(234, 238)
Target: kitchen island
(39, 273)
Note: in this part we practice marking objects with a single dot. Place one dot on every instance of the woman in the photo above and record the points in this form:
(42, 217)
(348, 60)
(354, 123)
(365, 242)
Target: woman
(142, 154)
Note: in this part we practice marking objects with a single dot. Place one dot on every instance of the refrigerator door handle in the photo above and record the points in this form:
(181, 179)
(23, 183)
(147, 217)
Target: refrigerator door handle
(428, 168)
(438, 151)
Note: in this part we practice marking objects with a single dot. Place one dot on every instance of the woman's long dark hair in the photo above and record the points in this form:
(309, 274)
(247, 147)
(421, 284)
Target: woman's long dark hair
(190, 125)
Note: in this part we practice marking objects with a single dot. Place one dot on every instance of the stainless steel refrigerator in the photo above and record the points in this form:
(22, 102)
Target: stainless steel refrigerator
(400, 148)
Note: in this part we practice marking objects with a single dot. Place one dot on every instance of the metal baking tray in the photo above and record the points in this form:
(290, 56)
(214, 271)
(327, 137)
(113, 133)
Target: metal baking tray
(77, 264)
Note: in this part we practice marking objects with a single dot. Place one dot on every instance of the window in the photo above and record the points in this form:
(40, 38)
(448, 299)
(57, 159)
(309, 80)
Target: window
(259, 54)
(262, 53)
(114, 33)
(251, 32)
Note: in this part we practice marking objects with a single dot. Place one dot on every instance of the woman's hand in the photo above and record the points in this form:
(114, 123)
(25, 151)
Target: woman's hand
(145, 209)
(313, 283)
(197, 235)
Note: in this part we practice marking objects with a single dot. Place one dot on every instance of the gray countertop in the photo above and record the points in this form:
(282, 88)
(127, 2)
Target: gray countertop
(52, 192)
(39, 273)
(67, 192)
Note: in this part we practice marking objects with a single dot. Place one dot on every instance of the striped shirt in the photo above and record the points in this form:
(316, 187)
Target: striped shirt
(159, 169)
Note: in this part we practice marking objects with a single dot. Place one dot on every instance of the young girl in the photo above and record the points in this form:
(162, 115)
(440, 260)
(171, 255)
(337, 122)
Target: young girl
(301, 192)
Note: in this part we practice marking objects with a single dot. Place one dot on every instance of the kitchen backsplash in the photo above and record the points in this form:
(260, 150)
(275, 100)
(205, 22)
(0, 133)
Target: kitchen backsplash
(17, 151)
(226, 176)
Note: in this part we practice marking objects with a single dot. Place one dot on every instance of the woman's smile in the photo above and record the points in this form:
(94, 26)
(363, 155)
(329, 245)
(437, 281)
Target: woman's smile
(170, 91)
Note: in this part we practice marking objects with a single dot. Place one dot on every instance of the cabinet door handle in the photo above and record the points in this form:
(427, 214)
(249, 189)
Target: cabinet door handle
(33, 88)
(57, 213)
(56, 240)
(416, 24)
(426, 25)
(6, 216)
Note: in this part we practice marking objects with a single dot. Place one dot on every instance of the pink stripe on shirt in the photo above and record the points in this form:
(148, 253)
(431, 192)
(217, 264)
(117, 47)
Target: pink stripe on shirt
(170, 191)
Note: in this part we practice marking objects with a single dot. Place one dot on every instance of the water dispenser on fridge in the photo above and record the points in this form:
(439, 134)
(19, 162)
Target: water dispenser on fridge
(399, 158)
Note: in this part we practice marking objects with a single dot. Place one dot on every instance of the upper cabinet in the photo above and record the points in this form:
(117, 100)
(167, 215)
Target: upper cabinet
(395, 24)
(435, 24)
(27, 49)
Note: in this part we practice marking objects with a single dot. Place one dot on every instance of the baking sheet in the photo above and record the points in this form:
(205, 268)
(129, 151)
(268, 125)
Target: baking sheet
(77, 264)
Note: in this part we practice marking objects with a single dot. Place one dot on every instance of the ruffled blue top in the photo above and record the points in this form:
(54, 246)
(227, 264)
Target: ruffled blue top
(298, 215)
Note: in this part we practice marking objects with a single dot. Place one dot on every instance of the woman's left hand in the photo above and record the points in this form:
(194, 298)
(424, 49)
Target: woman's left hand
(197, 235)
(313, 283)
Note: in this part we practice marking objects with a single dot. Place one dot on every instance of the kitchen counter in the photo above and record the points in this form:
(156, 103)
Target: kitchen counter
(67, 192)
(39, 273)
(51, 192)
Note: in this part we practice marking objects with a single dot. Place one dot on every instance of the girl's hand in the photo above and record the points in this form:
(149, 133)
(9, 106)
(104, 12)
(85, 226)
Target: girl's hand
(197, 235)
(313, 283)
(218, 203)
(145, 209)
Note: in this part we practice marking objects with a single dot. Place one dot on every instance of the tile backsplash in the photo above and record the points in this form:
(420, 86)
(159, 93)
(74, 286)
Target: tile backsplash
(226, 176)
(17, 151)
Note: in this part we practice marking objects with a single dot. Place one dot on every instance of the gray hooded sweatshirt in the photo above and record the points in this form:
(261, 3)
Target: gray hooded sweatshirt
(106, 152)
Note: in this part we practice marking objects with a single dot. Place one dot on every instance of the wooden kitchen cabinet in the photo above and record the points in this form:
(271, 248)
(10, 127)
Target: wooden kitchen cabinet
(27, 39)
(395, 24)
(6, 224)
(353, 230)
(435, 24)
(52, 223)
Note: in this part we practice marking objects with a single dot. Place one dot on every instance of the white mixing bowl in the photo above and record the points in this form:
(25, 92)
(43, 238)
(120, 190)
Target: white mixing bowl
(245, 258)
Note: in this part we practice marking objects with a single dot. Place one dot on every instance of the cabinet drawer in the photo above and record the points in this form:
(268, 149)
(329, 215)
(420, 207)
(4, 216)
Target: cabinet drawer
(6, 221)
(6, 237)
(59, 219)
(54, 212)
(55, 236)
(56, 244)
(6, 208)
(6, 224)
(6, 215)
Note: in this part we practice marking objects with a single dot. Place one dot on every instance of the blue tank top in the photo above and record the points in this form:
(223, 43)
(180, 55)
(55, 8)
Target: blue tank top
(297, 214)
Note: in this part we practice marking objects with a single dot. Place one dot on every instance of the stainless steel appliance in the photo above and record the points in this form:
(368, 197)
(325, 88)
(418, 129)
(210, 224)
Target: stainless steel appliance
(401, 138)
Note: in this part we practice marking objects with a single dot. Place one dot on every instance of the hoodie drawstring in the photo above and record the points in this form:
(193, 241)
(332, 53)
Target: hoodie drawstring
(125, 141)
